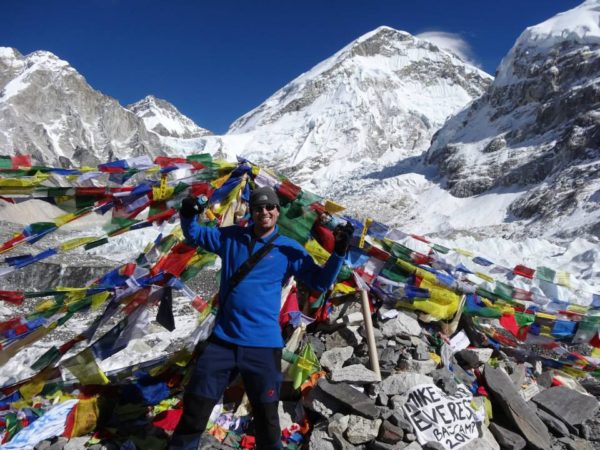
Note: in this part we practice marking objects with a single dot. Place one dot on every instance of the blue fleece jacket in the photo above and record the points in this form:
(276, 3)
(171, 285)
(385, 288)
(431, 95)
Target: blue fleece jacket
(249, 316)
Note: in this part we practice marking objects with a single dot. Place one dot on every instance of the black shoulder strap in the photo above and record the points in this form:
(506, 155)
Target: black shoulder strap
(245, 268)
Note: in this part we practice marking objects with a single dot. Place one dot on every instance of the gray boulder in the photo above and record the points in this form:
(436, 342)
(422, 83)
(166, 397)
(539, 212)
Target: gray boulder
(568, 405)
(399, 383)
(516, 409)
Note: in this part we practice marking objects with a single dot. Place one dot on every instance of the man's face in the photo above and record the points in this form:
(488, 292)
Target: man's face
(265, 216)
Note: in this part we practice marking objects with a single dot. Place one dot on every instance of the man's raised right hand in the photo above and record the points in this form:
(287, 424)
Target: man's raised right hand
(190, 207)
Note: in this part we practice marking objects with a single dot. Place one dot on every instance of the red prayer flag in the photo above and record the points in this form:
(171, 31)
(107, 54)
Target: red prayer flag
(203, 188)
(165, 161)
(168, 420)
(128, 269)
(8, 324)
(521, 294)
(378, 253)
(419, 258)
(524, 271)
(20, 161)
(288, 190)
(510, 324)
(175, 262)
(14, 297)
(324, 236)
(162, 215)
(595, 342)
(290, 305)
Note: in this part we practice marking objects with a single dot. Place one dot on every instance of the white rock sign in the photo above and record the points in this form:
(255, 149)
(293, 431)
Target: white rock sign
(438, 417)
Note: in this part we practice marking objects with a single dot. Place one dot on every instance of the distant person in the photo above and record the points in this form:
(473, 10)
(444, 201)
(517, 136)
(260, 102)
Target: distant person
(247, 337)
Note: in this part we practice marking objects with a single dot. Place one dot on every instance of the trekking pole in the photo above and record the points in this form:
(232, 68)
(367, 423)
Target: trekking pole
(373, 357)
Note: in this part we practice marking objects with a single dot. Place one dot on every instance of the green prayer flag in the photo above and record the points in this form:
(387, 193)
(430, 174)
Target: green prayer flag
(503, 291)
(304, 366)
(96, 243)
(51, 356)
(5, 162)
(546, 274)
(440, 248)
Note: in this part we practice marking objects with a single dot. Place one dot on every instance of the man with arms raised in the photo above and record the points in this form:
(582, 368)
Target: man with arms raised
(247, 338)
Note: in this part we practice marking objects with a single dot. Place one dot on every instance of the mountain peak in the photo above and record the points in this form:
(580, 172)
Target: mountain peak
(374, 102)
(9, 53)
(164, 119)
(577, 27)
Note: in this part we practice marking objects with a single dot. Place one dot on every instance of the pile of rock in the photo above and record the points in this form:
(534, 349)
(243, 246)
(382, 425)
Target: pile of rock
(352, 409)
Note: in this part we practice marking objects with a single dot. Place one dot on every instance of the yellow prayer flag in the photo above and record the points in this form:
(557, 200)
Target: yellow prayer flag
(177, 232)
(443, 296)
(209, 214)
(153, 169)
(60, 199)
(71, 289)
(35, 386)
(318, 253)
(564, 279)
(366, 226)
(63, 219)
(219, 181)
(578, 309)
(98, 299)
(163, 191)
(487, 302)
(485, 276)
(77, 242)
(332, 207)
(410, 268)
(463, 252)
(543, 315)
(425, 275)
(506, 309)
(85, 417)
(45, 305)
(19, 182)
(343, 288)
(85, 368)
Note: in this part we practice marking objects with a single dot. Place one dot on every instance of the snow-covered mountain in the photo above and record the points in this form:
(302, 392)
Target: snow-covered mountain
(375, 102)
(48, 110)
(354, 128)
(163, 118)
(536, 131)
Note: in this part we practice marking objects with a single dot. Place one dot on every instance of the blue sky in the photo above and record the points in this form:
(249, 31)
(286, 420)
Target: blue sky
(216, 60)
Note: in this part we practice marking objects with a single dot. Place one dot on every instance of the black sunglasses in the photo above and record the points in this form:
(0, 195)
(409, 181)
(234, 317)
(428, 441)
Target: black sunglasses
(268, 207)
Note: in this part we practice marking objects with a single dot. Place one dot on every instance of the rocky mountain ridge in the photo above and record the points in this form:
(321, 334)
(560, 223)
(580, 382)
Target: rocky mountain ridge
(49, 111)
(536, 129)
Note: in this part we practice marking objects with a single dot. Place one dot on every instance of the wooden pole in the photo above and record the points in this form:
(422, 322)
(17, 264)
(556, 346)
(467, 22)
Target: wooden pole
(373, 357)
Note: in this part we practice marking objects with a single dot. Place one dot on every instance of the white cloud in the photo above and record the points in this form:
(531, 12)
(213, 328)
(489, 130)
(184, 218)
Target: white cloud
(452, 42)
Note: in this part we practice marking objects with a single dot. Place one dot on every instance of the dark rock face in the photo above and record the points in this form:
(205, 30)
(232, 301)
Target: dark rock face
(537, 127)
(567, 404)
(66, 118)
(506, 438)
(353, 400)
(516, 409)
(554, 424)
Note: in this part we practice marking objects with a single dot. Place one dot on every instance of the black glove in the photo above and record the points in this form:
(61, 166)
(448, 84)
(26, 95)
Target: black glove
(343, 235)
(190, 207)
